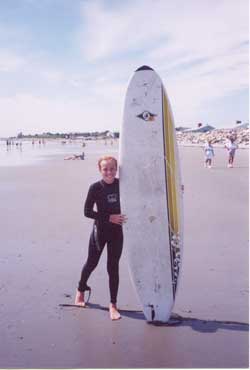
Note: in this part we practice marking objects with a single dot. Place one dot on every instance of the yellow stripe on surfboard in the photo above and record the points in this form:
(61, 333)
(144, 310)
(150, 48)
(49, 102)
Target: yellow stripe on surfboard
(171, 170)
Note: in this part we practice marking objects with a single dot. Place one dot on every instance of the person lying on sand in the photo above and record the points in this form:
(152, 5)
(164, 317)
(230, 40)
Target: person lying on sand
(75, 156)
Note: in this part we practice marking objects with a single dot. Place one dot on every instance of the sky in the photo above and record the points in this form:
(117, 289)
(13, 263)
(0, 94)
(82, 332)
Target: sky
(65, 65)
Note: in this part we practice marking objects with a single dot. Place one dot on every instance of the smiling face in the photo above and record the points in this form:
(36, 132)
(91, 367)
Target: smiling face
(108, 169)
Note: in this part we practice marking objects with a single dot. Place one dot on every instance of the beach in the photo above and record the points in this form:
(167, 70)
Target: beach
(44, 238)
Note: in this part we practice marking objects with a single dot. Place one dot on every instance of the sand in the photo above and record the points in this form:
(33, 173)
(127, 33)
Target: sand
(44, 238)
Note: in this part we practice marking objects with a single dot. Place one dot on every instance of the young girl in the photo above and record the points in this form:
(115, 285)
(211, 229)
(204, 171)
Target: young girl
(209, 154)
(107, 229)
(231, 146)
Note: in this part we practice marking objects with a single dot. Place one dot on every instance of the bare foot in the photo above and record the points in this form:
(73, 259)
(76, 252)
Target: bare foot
(114, 314)
(79, 300)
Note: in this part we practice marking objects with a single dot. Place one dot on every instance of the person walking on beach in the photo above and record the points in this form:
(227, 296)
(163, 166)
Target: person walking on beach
(231, 147)
(209, 154)
(107, 229)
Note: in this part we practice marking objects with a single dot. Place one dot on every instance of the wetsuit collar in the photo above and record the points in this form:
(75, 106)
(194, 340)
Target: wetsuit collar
(106, 184)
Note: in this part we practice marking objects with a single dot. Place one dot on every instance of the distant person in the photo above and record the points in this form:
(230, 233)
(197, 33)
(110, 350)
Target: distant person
(107, 229)
(231, 147)
(75, 156)
(8, 144)
(209, 154)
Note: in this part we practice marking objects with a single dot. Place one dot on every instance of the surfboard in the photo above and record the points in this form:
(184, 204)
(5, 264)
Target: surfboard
(151, 194)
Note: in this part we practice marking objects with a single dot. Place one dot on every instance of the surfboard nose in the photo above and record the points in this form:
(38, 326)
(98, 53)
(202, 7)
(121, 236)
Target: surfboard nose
(144, 68)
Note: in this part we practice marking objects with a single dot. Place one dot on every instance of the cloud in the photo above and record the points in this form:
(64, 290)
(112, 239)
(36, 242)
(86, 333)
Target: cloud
(10, 61)
(31, 114)
(199, 48)
(202, 28)
(113, 31)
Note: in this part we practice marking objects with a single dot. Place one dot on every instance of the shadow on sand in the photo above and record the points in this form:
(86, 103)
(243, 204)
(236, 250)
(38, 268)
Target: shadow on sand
(205, 326)
(199, 325)
(228, 169)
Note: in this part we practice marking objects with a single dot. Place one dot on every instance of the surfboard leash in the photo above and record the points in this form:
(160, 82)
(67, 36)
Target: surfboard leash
(87, 289)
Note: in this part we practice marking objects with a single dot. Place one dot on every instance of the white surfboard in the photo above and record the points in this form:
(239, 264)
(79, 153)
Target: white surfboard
(151, 195)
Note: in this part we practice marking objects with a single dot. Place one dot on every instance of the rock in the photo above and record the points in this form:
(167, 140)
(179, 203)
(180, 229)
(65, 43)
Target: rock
(220, 136)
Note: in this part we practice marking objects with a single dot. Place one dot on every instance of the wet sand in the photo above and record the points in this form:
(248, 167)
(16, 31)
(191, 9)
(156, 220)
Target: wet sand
(44, 239)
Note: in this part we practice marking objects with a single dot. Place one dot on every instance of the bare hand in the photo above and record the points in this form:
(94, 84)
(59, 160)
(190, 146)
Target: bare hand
(117, 219)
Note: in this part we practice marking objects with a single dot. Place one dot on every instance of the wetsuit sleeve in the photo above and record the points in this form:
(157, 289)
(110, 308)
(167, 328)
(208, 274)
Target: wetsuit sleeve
(89, 207)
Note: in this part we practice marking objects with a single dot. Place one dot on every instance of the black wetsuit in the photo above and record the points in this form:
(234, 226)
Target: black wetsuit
(107, 199)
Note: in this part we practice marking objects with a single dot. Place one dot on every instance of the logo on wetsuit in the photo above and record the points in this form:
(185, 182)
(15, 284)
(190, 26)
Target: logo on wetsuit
(112, 198)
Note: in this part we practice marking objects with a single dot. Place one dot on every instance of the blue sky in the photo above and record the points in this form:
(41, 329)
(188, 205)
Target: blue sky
(65, 65)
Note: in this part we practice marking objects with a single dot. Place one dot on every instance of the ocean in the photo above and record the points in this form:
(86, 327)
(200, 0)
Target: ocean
(26, 153)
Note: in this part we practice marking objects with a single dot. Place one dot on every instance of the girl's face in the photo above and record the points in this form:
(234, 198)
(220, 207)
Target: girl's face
(108, 171)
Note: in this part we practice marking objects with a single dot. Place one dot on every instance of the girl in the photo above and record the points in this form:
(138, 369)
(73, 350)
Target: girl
(107, 229)
(231, 147)
(209, 154)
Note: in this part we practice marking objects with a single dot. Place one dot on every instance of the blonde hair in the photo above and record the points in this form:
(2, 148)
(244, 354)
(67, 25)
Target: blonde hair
(106, 158)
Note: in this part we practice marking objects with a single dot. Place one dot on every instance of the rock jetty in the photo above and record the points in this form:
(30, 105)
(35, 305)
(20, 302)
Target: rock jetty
(217, 136)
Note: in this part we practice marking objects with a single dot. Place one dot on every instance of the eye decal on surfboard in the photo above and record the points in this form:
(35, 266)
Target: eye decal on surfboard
(147, 116)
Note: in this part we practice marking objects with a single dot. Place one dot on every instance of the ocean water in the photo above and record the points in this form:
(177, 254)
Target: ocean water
(33, 154)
